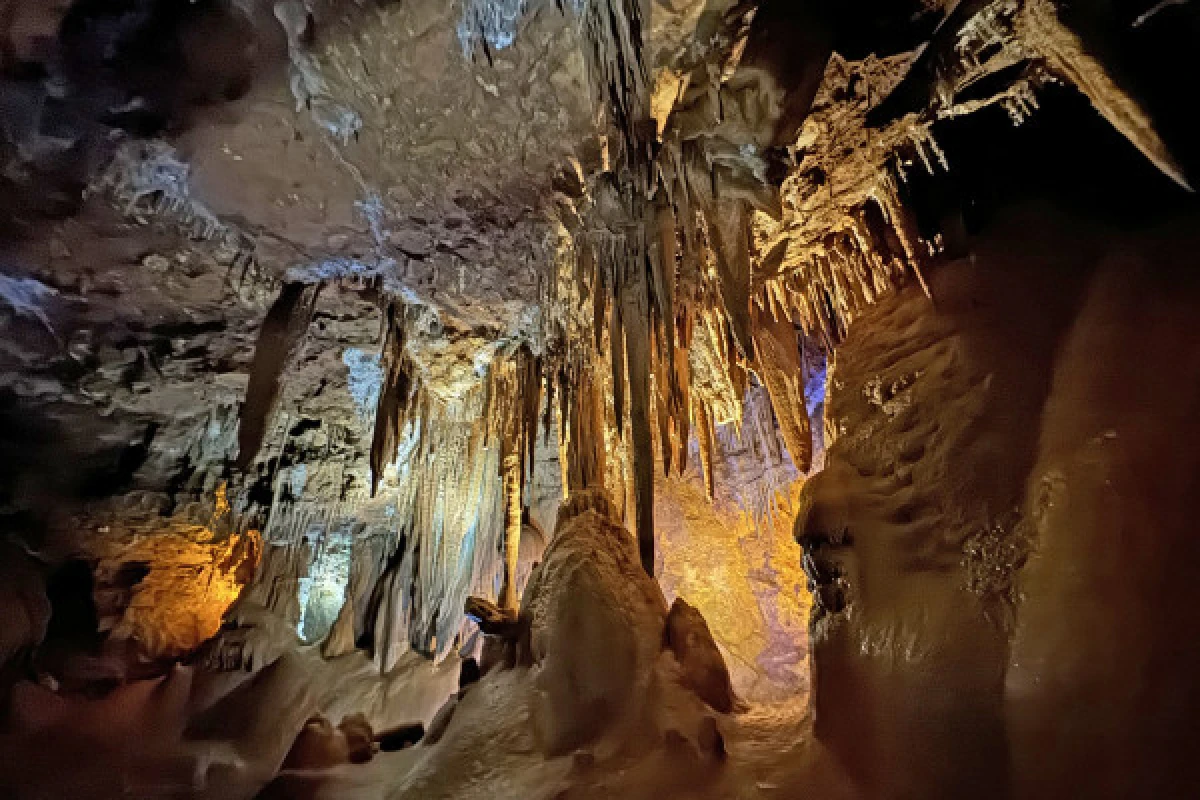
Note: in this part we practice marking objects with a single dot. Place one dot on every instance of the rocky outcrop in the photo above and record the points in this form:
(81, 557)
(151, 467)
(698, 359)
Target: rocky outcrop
(320, 745)
(594, 644)
(704, 671)
(192, 576)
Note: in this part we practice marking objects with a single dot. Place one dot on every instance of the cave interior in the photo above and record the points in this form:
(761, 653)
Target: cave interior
(563, 399)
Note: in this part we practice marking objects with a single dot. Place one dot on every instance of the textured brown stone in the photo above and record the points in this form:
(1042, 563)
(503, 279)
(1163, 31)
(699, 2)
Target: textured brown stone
(704, 671)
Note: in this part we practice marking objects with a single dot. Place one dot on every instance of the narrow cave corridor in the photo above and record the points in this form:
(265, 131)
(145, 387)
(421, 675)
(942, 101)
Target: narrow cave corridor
(583, 399)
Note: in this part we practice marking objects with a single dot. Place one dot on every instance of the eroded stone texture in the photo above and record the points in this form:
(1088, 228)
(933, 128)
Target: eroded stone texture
(929, 420)
(193, 576)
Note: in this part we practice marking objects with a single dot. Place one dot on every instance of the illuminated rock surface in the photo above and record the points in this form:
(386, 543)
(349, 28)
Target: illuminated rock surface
(871, 319)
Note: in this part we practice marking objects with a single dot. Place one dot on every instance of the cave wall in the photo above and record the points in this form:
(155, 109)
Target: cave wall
(744, 576)
(926, 465)
(992, 570)
(1103, 664)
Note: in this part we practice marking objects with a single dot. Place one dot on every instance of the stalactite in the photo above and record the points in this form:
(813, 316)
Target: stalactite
(704, 431)
(662, 408)
(728, 224)
(1039, 27)
(279, 341)
(616, 340)
(637, 345)
(668, 394)
(393, 399)
(682, 383)
(550, 377)
(511, 466)
(600, 298)
(585, 439)
(516, 387)
(531, 395)
(782, 373)
(888, 199)
(662, 263)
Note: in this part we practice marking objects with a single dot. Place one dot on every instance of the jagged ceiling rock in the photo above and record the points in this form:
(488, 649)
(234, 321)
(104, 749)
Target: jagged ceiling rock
(436, 191)
(384, 147)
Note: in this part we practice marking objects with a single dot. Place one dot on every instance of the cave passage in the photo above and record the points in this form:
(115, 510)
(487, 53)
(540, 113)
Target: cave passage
(582, 399)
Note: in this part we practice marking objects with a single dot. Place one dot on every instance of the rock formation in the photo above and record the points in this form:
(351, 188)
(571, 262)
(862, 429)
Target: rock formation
(345, 343)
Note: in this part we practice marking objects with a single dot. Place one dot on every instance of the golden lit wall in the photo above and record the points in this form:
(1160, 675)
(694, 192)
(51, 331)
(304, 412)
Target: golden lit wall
(745, 578)
(193, 574)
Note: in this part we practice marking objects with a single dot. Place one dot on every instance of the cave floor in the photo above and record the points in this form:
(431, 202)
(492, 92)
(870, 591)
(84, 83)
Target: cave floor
(770, 753)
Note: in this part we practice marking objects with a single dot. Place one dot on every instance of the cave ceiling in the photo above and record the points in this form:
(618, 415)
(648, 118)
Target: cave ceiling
(349, 259)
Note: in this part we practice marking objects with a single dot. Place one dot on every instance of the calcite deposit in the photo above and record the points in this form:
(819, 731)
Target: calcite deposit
(591, 398)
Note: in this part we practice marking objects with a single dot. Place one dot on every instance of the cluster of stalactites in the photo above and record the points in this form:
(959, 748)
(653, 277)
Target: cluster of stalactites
(669, 350)
(665, 245)
(449, 509)
(1031, 36)
(666, 240)
(826, 285)
(705, 242)
(513, 404)
(632, 302)
(613, 31)
(462, 464)
(822, 269)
